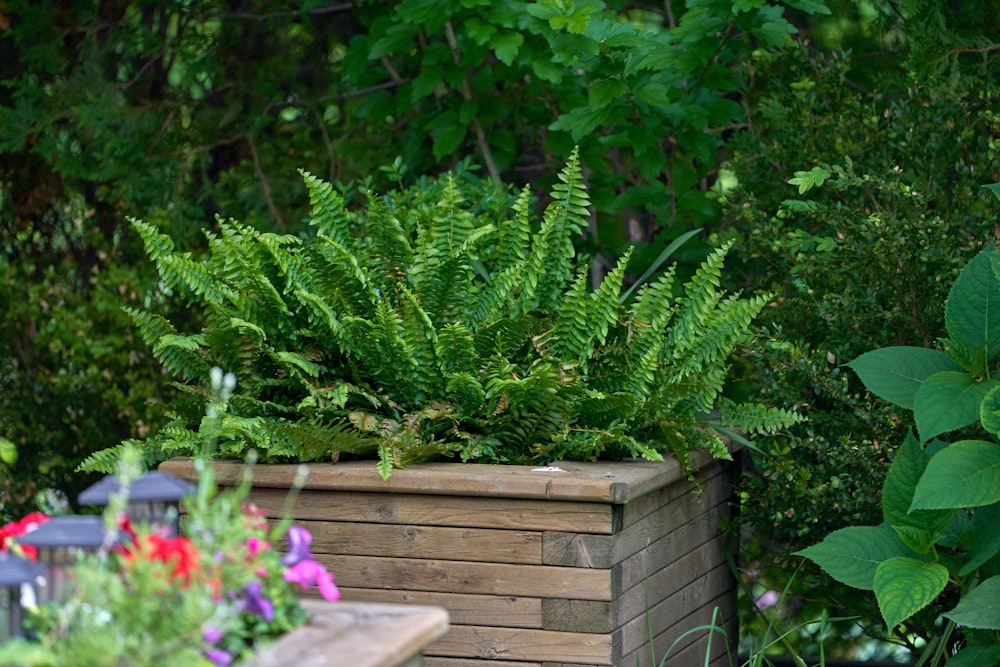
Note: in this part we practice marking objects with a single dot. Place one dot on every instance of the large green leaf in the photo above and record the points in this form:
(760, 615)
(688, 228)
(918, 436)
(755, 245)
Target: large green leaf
(963, 474)
(985, 538)
(904, 586)
(972, 311)
(919, 529)
(976, 656)
(947, 401)
(896, 373)
(980, 607)
(851, 555)
(989, 411)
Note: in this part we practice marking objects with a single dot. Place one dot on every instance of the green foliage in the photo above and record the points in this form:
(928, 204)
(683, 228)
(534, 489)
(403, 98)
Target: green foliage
(863, 261)
(419, 327)
(646, 94)
(940, 502)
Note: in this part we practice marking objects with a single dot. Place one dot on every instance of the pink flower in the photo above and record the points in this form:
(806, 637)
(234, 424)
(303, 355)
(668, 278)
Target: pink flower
(255, 546)
(308, 573)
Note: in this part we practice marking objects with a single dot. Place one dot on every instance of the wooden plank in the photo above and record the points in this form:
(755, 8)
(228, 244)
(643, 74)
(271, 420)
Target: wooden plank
(463, 609)
(465, 662)
(671, 547)
(411, 541)
(672, 609)
(474, 642)
(578, 615)
(482, 578)
(670, 517)
(575, 549)
(610, 482)
(427, 510)
(637, 510)
(687, 571)
(690, 651)
(683, 632)
(360, 635)
(595, 616)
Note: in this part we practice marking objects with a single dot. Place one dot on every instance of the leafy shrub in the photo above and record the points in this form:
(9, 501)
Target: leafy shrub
(860, 246)
(416, 329)
(940, 539)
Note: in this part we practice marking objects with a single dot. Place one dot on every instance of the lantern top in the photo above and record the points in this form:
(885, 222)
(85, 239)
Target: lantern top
(15, 570)
(68, 531)
(151, 487)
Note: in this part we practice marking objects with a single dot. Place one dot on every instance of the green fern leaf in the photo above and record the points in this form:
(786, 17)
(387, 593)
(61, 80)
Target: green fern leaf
(327, 214)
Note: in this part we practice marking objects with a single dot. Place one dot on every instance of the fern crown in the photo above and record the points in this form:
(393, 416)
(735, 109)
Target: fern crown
(434, 324)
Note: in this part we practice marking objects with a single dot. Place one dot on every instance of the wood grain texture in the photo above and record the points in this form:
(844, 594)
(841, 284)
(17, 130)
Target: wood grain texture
(467, 577)
(449, 511)
(532, 574)
(604, 482)
(422, 541)
(463, 608)
(356, 634)
(476, 642)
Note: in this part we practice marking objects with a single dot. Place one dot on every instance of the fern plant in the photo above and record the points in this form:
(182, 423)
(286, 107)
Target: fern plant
(419, 329)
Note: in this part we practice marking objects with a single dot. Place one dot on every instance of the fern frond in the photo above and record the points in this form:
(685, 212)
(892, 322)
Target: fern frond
(514, 236)
(157, 245)
(181, 269)
(182, 355)
(327, 214)
(422, 338)
(549, 263)
(339, 278)
(757, 418)
(318, 440)
(465, 390)
(388, 246)
(717, 337)
(456, 348)
(700, 298)
(569, 335)
(151, 326)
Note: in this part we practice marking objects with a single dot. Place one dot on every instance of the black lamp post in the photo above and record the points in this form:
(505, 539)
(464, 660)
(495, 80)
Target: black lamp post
(153, 498)
(58, 541)
(14, 571)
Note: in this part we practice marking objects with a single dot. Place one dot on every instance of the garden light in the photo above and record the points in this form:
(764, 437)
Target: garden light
(153, 498)
(58, 541)
(15, 572)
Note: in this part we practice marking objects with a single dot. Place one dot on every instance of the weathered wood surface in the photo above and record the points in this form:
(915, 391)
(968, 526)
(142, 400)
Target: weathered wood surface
(448, 511)
(421, 574)
(357, 634)
(602, 482)
(532, 572)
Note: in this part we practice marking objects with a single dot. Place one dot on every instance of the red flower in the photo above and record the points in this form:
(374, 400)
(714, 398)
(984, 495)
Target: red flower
(18, 528)
(179, 551)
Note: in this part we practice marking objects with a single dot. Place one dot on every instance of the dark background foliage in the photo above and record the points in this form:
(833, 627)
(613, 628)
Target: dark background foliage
(179, 112)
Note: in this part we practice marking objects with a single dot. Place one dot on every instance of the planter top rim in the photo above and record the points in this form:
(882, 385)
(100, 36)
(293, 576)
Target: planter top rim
(603, 481)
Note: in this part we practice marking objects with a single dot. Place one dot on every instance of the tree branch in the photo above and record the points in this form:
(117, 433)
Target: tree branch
(484, 146)
(263, 181)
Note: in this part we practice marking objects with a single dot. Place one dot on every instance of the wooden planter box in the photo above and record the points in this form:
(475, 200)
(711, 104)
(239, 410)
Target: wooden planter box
(357, 634)
(575, 565)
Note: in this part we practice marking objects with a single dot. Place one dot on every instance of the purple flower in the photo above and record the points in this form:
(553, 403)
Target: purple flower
(308, 573)
(254, 603)
(767, 600)
(299, 540)
(212, 635)
(219, 657)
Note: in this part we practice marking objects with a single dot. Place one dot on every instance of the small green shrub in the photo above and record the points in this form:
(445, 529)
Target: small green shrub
(421, 328)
